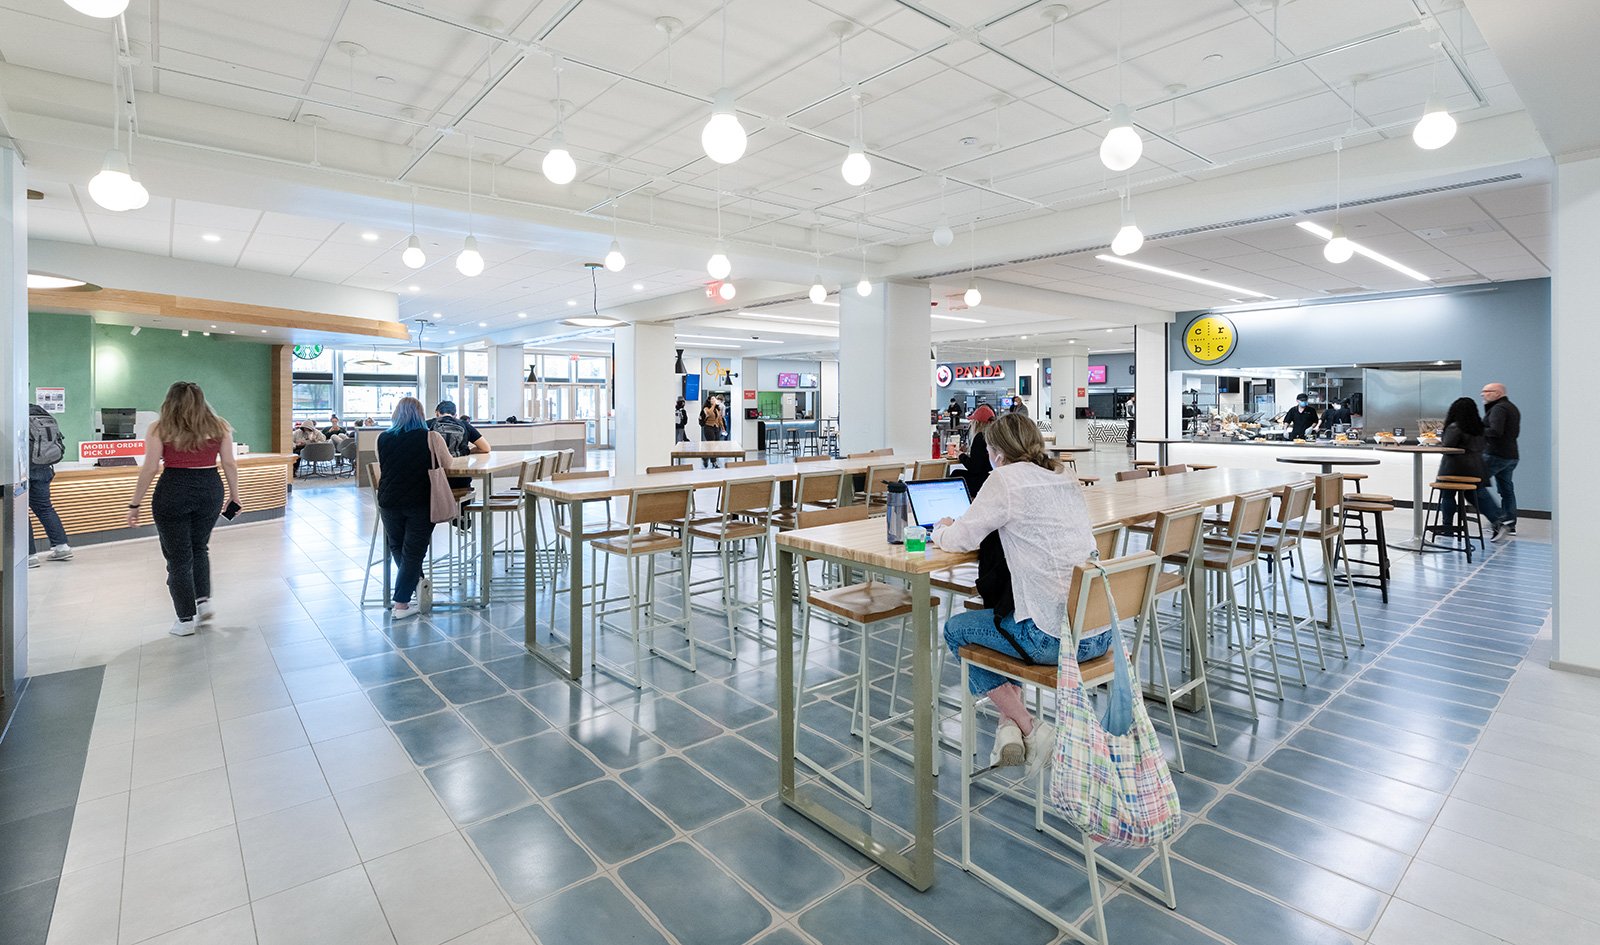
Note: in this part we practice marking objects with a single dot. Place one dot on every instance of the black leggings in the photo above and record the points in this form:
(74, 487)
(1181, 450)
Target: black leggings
(408, 531)
(185, 507)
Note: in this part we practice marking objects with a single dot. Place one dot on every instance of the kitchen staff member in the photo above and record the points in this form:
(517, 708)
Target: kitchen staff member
(1300, 418)
(1336, 413)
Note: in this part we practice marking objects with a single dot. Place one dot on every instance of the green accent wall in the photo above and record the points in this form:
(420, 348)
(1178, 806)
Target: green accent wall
(107, 366)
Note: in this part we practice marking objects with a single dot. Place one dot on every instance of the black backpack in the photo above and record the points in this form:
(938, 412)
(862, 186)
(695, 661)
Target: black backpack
(454, 434)
(46, 446)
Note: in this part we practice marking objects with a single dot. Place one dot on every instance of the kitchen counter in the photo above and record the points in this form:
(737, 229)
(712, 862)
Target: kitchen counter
(1391, 476)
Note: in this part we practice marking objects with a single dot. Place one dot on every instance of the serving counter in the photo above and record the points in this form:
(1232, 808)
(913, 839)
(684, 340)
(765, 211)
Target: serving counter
(1393, 474)
(93, 500)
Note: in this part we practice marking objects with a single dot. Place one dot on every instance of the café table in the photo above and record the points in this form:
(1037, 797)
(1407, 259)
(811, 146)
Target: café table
(573, 493)
(1161, 444)
(864, 545)
(1418, 513)
(712, 449)
(1328, 462)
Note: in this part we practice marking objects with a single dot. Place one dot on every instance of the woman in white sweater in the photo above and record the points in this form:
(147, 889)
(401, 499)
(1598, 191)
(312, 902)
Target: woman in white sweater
(1043, 525)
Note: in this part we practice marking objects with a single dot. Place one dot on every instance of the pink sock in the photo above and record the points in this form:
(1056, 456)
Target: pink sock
(1008, 699)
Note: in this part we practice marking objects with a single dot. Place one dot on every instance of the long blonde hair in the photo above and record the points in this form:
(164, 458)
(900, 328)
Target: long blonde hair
(1017, 438)
(187, 421)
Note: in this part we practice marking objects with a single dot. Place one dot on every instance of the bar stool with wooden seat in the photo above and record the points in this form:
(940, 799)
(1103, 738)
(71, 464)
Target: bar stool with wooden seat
(744, 513)
(1456, 532)
(1177, 538)
(508, 503)
(1132, 583)
(1356, 511)
(1328, 499)
(1280, 547)
(593, 530)
(644, 538)
(858, 605)
(814, 490)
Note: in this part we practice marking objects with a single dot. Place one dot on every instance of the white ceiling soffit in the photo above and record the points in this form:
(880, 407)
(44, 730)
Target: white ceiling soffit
(1548, 48)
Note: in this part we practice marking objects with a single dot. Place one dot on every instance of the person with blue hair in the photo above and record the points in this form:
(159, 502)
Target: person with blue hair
(405, 453)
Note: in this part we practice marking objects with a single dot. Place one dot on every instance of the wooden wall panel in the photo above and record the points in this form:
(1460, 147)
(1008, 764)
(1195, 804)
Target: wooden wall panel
(282, 399)
(96, 500)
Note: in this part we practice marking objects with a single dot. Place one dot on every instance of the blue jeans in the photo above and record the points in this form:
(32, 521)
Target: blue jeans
(977, 626)
(408, 531)
(39, 502)
(1498, 469)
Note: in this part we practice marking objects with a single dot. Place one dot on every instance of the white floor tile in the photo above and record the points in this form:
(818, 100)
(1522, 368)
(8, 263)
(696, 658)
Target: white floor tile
(1406, 924)
(435, 891)
(1489, 909)
(508, 930)
(340, 909)
(234, 927)
(264, 733)
(175, 885)
(389, 815)
(362, 758)
(88, 903)
(99, 833)
(340, 715)
(276, 782)
(182, 807)
(107, 770)
(1581, 818)
(1536, 879)
(319, 682)
(294, 846)
(164, 757)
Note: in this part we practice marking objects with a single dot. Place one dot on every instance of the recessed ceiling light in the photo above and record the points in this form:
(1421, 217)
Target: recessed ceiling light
(522, 314)
(483, 324)
(1072, 341)
(572, 302)
(1024, 337)
(638, 287)
(1181, 275)
(1376, 257)
(263, 331)
(413, 288)
(451, 332)
(1110, 330)
(370, 236)
(213, 326)
(786, 318)
(959, 318)
(211, 237)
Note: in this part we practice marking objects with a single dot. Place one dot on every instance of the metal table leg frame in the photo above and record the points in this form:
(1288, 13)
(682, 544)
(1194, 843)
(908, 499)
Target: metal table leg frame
(573, 667)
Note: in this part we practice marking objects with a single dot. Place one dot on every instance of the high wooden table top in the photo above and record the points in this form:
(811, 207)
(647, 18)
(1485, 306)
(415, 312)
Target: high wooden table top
(1068, 448)
(494, 462)
(1123, 503)
(1398, 448)
(580, 490)
(703, 450)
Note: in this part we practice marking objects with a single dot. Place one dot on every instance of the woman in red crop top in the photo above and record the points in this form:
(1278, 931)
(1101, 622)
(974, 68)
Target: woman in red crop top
(187, 444)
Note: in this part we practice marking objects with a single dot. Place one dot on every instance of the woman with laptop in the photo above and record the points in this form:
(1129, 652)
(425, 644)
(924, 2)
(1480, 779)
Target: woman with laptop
(1029, 520)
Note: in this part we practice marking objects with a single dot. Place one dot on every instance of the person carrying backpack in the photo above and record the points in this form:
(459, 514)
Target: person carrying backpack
(46, 447)
(459, 435)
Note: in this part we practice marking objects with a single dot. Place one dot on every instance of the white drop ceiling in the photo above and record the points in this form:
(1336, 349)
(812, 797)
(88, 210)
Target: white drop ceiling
(972, 110)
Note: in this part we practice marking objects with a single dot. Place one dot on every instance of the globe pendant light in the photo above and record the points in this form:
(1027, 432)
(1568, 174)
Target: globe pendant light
(469, 262)
(857, 169)
(726, 292)
(1122, 146)
(558, 166)
(1129, 238)
(112, 187)
(719, 266)
(1436, 128)
(413, 256)
(614, 258)
(102, 9)
(818, 293)
(1338, 249)
(723, 138)
(863, 288)
(972, 296)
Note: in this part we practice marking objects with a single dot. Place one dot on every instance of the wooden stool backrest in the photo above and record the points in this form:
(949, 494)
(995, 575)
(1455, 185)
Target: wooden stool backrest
(812, 459)
(745, 462)
(1249, 514)
(373, 472)
(670, 504)
(819, 486)
(1328, 494)
(581, 474)
(1132, 580)
(1172, 470)
(847, 513)
(1106, 539)
(747, 495)
(1123, 475)
(1177, 530)
(930, 469)
(879, 477)
(1294, 505)
(564, 460)
(677, 467)
(526, 472)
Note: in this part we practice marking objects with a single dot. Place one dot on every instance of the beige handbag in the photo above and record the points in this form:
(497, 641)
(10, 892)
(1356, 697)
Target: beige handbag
(442, 505)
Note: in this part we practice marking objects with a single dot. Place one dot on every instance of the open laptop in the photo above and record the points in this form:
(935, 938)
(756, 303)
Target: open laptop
(934, 499)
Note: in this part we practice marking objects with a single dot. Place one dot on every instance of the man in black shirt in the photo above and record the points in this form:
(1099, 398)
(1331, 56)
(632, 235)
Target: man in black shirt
(1502, 423)
(459, 435)
(1300, 418)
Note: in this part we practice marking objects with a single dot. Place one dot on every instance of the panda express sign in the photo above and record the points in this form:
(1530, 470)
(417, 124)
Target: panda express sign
(977, 372)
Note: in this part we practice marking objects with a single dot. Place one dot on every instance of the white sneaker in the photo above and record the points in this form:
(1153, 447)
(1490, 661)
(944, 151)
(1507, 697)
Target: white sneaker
(33, 561)
(183, 628)
(1041, 745)
(203, 609)
(402, 611)
(1009, 751)
(61, 553)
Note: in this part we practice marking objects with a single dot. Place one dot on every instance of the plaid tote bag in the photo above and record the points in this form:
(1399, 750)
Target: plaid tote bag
(1109, 778)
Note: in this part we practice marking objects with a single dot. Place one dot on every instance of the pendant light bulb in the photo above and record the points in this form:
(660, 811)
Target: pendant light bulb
(1339, 249)
(719, 266)
(1129, 238)
(559, 168)
(973, 298)
(943, 235)
(614, 258)
(469, 262)
(863, 288)
(723, 138)
(413, 256)
(857, 169)
(111, 187)
(1436, 128)
(1122, 146)
(819, 292)
(103, 9)
(135, 196)
(726, 291)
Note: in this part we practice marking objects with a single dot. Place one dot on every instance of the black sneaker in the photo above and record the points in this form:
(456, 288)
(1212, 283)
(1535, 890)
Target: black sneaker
(1511, 527)
(1498, 532)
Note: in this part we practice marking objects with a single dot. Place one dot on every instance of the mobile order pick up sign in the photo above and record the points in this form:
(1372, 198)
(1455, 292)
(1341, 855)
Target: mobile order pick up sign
(91, 450)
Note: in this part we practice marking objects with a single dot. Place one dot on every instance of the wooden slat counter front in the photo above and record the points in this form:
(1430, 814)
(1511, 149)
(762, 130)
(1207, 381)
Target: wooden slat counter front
(93, 501)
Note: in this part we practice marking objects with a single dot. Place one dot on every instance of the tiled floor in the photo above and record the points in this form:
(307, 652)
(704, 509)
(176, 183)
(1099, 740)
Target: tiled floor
(305, 773)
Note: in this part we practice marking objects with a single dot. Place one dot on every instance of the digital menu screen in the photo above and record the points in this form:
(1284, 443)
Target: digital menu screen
(788, 380)
(1097, 373)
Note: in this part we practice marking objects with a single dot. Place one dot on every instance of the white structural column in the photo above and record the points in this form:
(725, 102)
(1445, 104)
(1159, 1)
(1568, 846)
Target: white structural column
(505, 382)
(884, 354)
(1069, 390)
(1158, 410)
(430, 383)
(646, 390)
(1575, 337)
(13, 422)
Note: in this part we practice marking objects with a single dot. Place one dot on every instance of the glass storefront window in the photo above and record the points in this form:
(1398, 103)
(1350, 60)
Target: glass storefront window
(555, 367)
(394, 364)
(591, 369)
(312, 399)
(375, 400)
